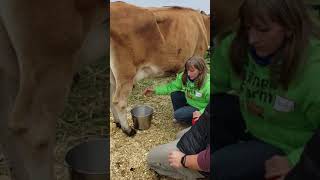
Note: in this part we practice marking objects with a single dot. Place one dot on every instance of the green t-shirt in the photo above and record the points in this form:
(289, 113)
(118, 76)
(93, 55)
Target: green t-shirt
(198, 98)
(285, 119)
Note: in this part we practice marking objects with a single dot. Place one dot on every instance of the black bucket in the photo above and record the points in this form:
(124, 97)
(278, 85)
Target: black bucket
(89, 160)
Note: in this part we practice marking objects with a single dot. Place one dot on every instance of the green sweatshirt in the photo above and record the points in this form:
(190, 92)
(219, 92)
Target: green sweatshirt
(285, 119)
(198, 98)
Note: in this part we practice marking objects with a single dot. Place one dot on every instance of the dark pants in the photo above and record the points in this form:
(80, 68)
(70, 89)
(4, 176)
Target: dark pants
(309, 165)
(182, 111)
(236, 154)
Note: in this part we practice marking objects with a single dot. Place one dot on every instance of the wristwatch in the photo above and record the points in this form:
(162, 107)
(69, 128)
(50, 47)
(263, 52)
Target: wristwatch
(183, 161)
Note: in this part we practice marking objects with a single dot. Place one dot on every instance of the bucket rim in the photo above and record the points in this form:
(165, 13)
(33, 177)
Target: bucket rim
(70, 150)
(87, 173)
(136, 106)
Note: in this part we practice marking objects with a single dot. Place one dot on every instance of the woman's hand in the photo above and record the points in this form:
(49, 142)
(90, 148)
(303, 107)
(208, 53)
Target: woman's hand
(195, 117)
(174, 159)
(148, 91)
(196, 114)
(277, 168)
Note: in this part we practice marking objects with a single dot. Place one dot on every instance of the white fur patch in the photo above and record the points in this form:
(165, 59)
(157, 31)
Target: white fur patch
(147, 70)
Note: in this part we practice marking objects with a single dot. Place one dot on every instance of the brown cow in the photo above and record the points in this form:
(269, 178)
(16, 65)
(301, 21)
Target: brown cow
(150, 42)
(41, 41)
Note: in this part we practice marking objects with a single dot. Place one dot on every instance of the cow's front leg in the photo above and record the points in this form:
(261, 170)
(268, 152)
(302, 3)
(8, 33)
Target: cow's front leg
(112, 106)
(9, 83)
(44, 83)
(119, 101)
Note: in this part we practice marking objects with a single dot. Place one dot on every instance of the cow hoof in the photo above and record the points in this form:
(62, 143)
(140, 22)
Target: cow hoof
(118, 125)
(131, 132)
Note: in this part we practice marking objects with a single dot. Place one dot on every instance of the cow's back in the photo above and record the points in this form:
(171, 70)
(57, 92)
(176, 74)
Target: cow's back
(162, 37)
(186, 30)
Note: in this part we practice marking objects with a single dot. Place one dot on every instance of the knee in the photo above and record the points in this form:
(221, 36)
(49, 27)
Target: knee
(157, 156)
(177, 95)
(177, 115)
(182, 116)
(173, 94)
(152, 158)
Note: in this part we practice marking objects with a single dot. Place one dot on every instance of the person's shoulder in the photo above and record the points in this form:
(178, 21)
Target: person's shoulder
(207, 81)
(227, 40)
(208, 78)
(315, 42)
(222, 48)
(314, 51)
(179, 75)
(311, 67)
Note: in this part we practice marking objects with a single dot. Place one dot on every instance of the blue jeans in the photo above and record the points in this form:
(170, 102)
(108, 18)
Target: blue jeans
(182, 110)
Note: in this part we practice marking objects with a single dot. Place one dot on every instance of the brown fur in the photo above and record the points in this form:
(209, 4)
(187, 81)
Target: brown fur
(41, 42)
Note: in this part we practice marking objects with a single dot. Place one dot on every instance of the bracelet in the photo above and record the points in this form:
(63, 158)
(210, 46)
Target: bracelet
(183, 161)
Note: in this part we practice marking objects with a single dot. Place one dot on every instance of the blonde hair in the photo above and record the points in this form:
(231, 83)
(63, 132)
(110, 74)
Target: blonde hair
(198, 63)
(293, 16)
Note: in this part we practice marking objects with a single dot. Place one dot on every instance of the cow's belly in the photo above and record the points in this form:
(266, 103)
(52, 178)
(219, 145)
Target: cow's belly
(33, 30)
(148, 70)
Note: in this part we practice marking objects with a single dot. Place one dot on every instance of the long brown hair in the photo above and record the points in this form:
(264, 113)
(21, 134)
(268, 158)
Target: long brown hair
(198, 63)
(293, 16)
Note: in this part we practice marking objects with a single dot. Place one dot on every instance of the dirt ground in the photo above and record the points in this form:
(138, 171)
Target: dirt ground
(128, 155)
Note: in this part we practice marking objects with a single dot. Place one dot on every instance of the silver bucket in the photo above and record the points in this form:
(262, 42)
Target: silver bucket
(141, 117)
(89, 160)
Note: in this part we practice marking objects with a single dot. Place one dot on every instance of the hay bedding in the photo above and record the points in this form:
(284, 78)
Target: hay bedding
(128, 155)
(84, 115)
